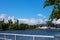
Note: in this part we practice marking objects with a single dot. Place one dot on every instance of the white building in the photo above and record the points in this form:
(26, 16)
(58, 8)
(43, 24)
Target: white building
(11, 19)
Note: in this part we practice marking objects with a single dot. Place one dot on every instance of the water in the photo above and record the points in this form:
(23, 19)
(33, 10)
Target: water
(33, 32)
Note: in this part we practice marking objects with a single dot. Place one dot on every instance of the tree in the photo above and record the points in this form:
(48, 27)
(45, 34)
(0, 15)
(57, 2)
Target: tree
(3, 26)
(56, 8)
(23, 27)
(55, 14)
(49, 23)
(13, 27)
(32, 26)
(0, 25)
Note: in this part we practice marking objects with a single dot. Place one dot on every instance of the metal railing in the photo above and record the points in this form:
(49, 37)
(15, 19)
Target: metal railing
(27, 35)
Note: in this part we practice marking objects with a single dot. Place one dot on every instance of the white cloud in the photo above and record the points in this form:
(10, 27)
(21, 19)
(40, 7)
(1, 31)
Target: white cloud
(58, 21)
(54, 21)
(41, 15)
(9, 17)
(31, 21)
(3, 15)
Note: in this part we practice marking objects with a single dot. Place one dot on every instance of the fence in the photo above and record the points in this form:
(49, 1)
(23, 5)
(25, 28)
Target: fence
(27, 35)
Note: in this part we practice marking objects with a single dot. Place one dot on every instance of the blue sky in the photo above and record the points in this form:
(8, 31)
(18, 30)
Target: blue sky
(24, 8)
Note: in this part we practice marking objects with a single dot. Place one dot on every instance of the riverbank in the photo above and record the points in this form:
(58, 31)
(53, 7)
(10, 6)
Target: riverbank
(43, 28)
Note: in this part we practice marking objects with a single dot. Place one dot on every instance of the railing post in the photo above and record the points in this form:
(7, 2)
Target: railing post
(33, 38)
(4, 36)
(15, 36)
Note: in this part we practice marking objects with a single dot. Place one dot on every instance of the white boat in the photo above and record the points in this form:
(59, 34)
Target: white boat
(44, 27)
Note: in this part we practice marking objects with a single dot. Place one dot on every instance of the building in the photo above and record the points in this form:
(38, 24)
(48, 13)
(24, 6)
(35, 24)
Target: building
(12, 20)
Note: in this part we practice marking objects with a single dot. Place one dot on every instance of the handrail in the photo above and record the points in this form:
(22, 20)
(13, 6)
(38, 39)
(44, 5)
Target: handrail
(44, 36)
(41, 36)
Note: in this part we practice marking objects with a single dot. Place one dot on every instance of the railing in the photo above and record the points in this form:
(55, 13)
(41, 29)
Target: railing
(33, 36)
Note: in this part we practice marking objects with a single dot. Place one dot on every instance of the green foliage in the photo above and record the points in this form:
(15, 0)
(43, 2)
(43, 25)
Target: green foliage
(49, 23)
(3, 26)
(14, 27)
(23, 26)
(7, 26)
(26, 27)
(56, 10)
(51, 2)
(32, 26)
(55, 14)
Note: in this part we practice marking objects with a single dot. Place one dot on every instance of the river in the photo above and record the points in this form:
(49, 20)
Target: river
(50, 32)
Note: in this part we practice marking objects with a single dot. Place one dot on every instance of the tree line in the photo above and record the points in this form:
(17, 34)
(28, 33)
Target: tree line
(22, 26)
(15, 26)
